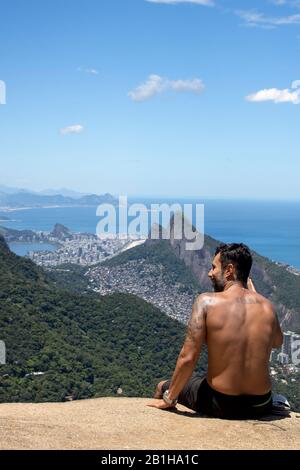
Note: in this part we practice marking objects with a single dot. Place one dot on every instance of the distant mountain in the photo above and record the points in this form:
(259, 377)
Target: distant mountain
(10, 190)
(61, 232)
(46, 192)
(60, 344)
(27, 199)
(63, 192)
(93, 199)
(11, 234)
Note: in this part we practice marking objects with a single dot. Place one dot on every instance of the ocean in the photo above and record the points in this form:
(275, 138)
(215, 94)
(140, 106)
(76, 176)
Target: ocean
(23, 248)
(272, 229)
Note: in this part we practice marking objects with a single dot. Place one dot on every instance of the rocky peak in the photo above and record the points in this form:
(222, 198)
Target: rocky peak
(61, 232)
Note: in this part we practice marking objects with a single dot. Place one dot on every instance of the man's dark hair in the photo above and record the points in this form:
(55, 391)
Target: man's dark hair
(237, 254)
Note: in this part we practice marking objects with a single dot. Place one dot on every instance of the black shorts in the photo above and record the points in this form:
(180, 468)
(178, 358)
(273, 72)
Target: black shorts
(200, 397)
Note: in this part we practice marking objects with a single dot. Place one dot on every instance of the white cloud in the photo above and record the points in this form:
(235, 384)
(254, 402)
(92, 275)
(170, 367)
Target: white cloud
(253, 18)
(2, 92)
(76, 129)
(90, 71)
(195, 85)
(296, 84)
(156, 85)
(208, 3)
(291, 3)
(279, 2)
(153, 86)
(278, 96)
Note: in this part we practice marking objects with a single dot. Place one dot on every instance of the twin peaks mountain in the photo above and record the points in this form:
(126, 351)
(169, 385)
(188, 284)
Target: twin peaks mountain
(163, 272)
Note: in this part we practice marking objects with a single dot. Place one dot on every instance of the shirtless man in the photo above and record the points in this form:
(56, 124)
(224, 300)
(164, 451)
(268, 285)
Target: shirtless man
(240, 328)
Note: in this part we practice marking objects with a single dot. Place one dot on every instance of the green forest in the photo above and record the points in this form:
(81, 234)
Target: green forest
(84, 347)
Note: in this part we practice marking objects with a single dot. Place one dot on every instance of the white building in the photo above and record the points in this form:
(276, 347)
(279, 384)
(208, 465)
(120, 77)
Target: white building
(283, 358)
(290, 348)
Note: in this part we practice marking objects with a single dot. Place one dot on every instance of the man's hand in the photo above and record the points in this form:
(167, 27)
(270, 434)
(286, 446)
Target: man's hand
(160, 404)
(250, 285)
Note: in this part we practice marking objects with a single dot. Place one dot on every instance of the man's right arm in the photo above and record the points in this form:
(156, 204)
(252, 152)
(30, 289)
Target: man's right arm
(278, 336)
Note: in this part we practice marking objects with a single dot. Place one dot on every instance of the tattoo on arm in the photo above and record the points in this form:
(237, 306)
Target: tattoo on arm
(197, 323)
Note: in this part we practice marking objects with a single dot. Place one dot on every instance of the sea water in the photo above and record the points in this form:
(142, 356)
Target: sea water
(271, 228)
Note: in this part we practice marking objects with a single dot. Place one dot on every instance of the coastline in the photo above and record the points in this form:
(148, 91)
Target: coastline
(270, 240)
(13, 209)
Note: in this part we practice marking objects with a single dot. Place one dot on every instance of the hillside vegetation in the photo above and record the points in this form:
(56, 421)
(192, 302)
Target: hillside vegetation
(83, 347)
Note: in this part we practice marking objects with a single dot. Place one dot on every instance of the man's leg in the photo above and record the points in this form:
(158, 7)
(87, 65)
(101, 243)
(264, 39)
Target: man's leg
(189, 396)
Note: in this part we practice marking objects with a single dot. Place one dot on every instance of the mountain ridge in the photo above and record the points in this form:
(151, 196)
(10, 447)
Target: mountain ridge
(28, 199)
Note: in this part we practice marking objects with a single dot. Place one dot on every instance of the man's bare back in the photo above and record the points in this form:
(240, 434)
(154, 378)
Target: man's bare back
(241, 329)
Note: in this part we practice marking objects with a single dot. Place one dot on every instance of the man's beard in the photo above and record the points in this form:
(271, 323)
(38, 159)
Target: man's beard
(218, 284)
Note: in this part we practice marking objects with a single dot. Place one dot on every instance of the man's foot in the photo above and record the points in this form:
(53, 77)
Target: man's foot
(158, 391)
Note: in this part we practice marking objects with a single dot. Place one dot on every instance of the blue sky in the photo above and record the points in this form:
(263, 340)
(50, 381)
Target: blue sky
(160, 97)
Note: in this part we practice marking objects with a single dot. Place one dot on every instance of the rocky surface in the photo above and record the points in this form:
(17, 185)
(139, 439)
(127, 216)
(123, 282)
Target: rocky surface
(127, 423)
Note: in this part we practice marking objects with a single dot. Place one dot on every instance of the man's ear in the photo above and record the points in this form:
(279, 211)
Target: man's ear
(230, 271)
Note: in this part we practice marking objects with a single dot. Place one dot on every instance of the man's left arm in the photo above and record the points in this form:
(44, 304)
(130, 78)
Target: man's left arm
(189, 354)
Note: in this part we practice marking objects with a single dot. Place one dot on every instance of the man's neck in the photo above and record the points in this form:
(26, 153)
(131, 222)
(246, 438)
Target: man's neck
(230, 284)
